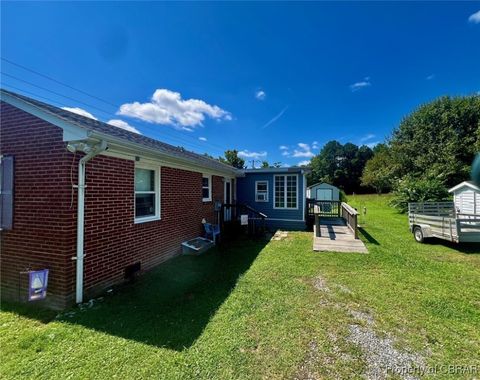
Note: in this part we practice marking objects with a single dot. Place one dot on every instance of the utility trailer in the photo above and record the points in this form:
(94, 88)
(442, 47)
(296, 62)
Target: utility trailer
(443, 221)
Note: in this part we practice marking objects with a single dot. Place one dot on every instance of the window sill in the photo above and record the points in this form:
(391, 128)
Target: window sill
(261, 201)
(206, 200)
(146, 219)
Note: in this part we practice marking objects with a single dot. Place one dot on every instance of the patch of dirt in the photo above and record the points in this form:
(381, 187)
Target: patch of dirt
(363, 316)
(382, 358)
(320, 284)
(344, 289)
(280, 235)
(306, 371)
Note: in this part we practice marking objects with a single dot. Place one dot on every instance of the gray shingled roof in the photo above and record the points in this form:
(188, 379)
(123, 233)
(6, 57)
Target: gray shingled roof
(99, 126)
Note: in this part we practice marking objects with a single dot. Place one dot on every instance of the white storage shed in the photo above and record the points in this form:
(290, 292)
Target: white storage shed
(466, 197)
(323, 192)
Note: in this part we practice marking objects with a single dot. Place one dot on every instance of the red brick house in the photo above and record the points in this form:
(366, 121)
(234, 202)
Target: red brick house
(141, 199)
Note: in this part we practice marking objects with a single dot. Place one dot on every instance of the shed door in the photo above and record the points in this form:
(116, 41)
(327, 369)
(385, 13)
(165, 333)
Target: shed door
(324, 195)
(465, 201)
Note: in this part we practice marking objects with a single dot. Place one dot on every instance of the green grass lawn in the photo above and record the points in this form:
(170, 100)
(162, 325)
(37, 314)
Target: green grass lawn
(252, 310)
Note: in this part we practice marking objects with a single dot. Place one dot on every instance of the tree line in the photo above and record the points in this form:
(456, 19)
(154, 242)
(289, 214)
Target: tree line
(430, 151)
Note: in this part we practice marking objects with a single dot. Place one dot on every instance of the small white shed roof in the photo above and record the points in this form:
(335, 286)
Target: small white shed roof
(469, 184)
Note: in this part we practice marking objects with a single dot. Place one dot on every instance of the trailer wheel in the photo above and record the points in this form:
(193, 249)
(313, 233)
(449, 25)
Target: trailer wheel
(418, 234)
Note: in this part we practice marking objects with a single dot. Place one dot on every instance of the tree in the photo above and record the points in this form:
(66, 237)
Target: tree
(231, 158)
(265, 164)
(438, 140)
(340, 165)
(277, 164)
(410, 189)
(379, 170)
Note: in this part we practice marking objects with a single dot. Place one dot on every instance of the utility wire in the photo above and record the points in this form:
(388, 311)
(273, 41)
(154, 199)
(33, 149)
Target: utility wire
(54, 92)
(56, 81)
(177, 139)
(214, 146)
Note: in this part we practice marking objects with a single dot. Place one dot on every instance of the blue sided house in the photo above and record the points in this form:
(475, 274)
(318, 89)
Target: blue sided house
(277, 192)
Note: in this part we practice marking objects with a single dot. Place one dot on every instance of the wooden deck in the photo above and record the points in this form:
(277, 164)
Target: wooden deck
(333, 235)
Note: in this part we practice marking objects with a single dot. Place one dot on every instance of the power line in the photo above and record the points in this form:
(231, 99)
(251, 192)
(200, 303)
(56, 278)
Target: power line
(214, 146)
(177, 139)
(56, 81)
(54, 92)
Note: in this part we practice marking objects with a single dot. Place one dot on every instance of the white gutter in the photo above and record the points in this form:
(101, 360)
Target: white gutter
(90, 153)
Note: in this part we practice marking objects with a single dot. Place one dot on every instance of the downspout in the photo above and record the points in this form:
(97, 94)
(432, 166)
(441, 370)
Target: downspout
(81, 213)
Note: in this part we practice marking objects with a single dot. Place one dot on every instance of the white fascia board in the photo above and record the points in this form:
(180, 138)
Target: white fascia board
(129, 151)
(71, 132)
(75, 132)
(464, 184)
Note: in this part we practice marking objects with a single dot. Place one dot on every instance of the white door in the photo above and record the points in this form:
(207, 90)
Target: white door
(227, 199)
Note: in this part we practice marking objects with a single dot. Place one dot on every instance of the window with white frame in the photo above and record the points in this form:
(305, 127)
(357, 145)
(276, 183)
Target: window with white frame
(147, 194)
(206, 188)
(261, 191)
(286, 191)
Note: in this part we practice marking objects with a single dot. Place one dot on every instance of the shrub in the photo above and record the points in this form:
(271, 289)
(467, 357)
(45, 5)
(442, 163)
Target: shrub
(410, 189)
(343, 196)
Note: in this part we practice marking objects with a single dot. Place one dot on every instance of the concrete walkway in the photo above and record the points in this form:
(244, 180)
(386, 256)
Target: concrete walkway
(333, 235)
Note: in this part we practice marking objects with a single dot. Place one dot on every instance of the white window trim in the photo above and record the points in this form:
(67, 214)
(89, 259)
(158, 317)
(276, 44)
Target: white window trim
(209, 199)
(285, 192)
(256, 191)
(157, 182)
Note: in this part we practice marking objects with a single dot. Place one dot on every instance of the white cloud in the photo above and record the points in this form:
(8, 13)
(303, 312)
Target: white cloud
(168, 108)
(260, 95)
(202, 138)
(359, 85)
(367, 137)
(275, 118)
(475, 18)
(254, 155)
(79, 111)
(285, 153)
(430, 77)
(304, 163)
(315, 145)
(124, 125)
(283, 147)
(304, 151)
(372, 144)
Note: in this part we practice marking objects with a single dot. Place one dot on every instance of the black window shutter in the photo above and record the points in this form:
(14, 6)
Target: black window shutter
(6, 192)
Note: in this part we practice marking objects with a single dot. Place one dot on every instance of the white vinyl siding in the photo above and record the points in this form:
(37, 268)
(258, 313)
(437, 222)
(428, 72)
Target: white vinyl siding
(261, 191)
(465, 201)
(286, 191)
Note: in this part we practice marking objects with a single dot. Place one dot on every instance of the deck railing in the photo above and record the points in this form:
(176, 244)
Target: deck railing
(232, 212)
(350, 215)
(322, 208)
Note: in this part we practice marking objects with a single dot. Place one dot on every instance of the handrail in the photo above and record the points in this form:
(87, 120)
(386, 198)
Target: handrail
(324, 208)
(247, 207)
(349, 214)
(256, 219)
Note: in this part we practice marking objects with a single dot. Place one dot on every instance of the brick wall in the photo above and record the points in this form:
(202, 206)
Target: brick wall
(44, 233)
(112, 239)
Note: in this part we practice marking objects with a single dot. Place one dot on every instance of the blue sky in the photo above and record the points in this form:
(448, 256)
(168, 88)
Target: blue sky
(273, 80)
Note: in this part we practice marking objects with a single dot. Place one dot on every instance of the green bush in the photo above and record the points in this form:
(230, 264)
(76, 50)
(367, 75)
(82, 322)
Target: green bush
(343, 196)
(410, 189)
